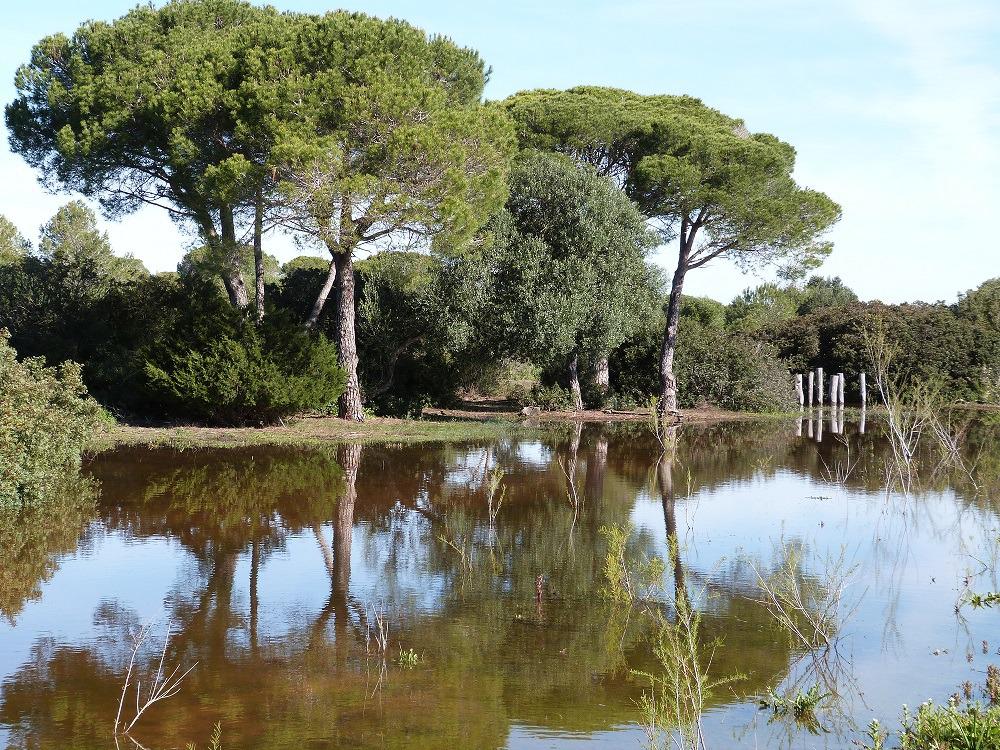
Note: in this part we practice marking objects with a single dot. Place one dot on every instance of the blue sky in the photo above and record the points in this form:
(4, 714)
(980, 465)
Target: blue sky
(893, 105)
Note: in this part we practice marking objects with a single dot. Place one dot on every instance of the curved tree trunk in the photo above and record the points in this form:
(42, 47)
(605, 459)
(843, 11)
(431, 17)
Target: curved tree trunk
(349, 405)
(668, 382)
(324, 293)
(573, 370)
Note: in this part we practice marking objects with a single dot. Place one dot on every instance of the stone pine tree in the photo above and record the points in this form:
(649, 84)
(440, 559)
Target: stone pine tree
(175, 107)
(565, 272)
(710, 185)
(394, 150)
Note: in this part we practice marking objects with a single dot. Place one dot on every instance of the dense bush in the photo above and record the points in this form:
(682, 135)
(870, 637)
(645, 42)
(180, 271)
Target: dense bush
(225, 370)
(726, 369)
(931, 343)
(46, 417)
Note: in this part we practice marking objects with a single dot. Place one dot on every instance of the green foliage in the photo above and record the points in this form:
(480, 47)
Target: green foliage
(932, 343)
(933, 727)
(764, 305)
(725, 369)
(225, 370)
(801, 706)
(629, 577)
(565, 271)
(681, 160)
(46, 419)
(13, 245)
(981, 305)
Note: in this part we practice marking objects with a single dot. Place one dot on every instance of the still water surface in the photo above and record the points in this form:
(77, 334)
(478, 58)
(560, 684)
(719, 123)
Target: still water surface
(269, 565)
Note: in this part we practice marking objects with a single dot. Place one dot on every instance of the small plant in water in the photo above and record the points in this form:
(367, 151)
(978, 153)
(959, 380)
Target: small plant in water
(628, 577)
(801, 706)
(980, 601)
(408, 659)
(875, 735)
(673, 704)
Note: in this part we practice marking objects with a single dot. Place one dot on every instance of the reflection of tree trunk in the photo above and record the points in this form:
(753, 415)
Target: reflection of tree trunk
(665, 480)
(574, 451)
(596, 467)
(343, 527)
(254, 576)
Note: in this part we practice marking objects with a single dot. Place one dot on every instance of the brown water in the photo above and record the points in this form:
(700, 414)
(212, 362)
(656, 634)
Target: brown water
(269, 565)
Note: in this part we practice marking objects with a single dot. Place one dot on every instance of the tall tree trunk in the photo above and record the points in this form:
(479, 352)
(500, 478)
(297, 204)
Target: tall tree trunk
(258, 256)
(324, 292)
(573, 369)
(232, 276)
(668, 383)
(349, 405)
(602, 375)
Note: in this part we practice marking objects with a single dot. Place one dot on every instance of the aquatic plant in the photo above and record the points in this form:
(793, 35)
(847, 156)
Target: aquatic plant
(408, 658)
(673, 704)
(801, 706)
(628, 578)
(809, 607)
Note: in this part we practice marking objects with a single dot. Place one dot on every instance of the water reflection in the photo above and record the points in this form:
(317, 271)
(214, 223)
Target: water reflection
(270, 562)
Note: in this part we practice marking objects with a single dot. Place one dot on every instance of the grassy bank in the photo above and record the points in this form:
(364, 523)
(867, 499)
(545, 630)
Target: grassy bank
(441, 425)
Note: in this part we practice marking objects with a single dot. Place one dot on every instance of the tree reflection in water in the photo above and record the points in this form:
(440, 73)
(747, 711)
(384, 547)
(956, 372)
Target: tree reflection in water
(278, 552)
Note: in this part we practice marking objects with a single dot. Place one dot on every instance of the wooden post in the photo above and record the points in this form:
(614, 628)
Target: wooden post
(833, 391)
(819, 385)
(798, 390)
(861, 422)
(819, 426)
(840, 389)
(812, 376)
(864, 390)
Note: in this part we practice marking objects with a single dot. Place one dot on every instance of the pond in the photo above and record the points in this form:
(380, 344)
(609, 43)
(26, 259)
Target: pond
(277, 572)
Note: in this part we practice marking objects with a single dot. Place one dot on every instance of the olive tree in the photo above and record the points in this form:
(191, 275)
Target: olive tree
(717, 190)
(565, 272)
(393, 150)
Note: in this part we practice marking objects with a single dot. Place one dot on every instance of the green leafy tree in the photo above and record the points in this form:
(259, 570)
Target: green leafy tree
(13, 245)
(820, 292)
(174, 107)
(982, 304)
(71, 241)
(766, 304)
(566, 269)
(394, 150)
(718, 190)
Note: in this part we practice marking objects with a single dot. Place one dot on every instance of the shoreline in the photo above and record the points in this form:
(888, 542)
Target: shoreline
(436, 425)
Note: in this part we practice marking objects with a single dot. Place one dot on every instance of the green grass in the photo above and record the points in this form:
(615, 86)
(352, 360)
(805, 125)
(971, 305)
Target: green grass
(314, 432)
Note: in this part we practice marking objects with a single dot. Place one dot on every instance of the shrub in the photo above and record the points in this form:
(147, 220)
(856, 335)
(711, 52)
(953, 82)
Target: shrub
(46, 418)
(229, 371)
(725, 369)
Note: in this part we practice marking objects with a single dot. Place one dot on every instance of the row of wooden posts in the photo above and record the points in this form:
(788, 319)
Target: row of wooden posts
(815, 388)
